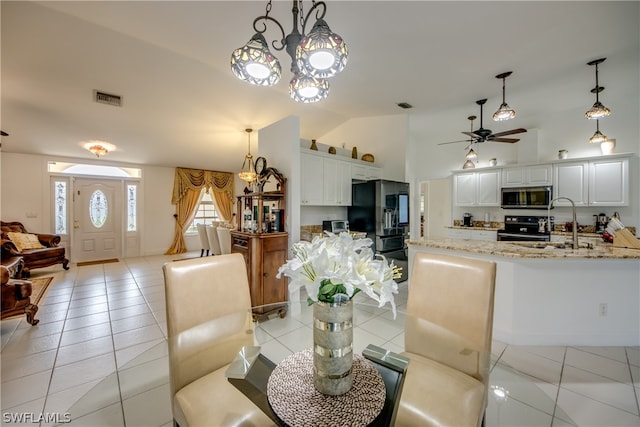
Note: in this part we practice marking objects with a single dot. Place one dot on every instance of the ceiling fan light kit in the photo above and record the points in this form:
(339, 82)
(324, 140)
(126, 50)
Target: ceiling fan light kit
(315, 57)
(504, 112)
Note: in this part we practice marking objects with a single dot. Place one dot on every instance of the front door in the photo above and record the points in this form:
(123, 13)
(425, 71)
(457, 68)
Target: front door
(97, 219)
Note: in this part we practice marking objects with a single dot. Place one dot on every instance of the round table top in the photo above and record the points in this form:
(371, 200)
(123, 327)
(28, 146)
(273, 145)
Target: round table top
(295, 400)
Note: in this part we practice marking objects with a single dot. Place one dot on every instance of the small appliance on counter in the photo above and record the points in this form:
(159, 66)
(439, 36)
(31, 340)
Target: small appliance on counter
(467, 220)
(526, 228)
(336, 226)
(601, 222)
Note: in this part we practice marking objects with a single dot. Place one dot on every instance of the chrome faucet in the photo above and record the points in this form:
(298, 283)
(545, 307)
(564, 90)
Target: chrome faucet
(574, 229)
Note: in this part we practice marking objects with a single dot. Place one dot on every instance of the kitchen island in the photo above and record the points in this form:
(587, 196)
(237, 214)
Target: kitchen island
(551, 295)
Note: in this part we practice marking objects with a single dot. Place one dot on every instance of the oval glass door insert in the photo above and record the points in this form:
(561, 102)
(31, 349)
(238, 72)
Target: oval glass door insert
(98, 208)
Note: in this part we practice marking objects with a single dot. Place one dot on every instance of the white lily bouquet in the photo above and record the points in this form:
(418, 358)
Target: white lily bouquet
(340, 264)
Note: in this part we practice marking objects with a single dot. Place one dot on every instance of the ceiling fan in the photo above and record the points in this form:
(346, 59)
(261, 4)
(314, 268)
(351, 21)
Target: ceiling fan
(486, 135)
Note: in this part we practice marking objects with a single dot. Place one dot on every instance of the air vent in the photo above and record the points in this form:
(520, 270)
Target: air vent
(404, 105)
(107, 98)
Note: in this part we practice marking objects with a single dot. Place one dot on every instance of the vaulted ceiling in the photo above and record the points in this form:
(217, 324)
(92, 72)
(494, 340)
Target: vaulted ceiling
(182, 106)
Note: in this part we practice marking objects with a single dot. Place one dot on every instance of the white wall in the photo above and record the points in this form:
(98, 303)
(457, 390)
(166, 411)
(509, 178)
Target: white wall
(386, 137)
(26, 189)
(280, 144)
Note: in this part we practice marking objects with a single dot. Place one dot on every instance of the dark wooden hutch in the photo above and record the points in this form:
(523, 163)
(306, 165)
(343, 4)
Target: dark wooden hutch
(263, 241)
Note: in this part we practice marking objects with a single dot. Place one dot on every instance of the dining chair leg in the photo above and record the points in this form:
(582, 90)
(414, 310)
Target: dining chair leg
(202, 252)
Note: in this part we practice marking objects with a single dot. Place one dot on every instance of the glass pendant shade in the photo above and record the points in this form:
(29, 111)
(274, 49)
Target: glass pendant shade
(322, 53)
(472, 155)
(248, 172)
(504, 113)
(597, 111)
(308, 89)
(468, 165)
(254, 63)
(597, 138)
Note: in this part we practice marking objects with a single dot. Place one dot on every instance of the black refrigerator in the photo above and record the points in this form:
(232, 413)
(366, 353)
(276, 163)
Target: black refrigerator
(380, 208)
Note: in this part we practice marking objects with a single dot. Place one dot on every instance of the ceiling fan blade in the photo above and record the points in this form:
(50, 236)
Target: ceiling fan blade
(453, 142)
(504, 140)
(471, 134)
(510, 132)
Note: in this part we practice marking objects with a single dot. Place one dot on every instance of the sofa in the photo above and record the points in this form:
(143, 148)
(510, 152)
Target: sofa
(16, 297)
(36, 249)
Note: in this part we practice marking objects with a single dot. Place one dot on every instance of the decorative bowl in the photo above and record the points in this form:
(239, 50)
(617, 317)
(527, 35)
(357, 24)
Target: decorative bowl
(368, 157)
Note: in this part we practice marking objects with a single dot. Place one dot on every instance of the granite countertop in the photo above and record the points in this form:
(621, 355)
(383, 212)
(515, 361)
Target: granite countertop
(519, 250)
(476, 227)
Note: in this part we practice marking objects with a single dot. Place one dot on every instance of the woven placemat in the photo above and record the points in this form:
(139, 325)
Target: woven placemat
(295, 400)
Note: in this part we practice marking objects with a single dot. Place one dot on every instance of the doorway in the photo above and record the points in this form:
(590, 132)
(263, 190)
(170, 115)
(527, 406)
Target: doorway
(435, 209)
(97, 219)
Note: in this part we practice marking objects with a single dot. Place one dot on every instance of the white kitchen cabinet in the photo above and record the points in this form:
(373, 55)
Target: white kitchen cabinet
(361, 172)
(459, 233)
(477, 188)
(600, 182)
(488, 188)
(486, 235)
(326, 181)
(337, 183)
(311, 188)
(609, 182)
(571, 180)
(527, 175)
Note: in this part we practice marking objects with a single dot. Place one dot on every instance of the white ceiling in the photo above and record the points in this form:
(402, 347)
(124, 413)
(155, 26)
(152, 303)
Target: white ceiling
(182, 106)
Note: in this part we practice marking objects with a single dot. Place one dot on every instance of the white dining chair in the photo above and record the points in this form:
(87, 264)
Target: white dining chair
(214, 242)
(224, 236)
(204, 240)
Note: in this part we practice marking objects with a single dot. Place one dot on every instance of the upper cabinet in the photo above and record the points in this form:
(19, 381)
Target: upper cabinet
(571, 180)
(609, 182)
(598, 182)
(480, 188)
(527, 175)
(360, 172)
(311, 188)
(326, 178)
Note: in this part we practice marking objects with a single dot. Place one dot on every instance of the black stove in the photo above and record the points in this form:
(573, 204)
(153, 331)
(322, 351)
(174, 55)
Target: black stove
(523, 228)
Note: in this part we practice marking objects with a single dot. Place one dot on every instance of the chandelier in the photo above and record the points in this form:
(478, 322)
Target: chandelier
(99, 148)
(315, 57)
(248, 172)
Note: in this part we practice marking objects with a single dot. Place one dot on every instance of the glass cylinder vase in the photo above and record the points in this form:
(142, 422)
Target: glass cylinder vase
(333, 346)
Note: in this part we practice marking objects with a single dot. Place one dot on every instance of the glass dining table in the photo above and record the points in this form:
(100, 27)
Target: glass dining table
(378, 337)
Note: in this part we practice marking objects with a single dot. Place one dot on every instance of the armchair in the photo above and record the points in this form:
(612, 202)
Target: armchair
(16, 297)
(36, 249)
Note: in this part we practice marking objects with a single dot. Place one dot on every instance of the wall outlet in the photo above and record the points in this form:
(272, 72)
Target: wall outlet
(603, 309)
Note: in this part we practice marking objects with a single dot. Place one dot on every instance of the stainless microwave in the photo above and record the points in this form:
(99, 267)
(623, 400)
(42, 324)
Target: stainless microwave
(336, 226)
(526, 197)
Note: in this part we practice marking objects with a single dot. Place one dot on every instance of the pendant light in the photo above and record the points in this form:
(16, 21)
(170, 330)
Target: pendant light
(504, 112)
(471, 157)
(248, 172)
(597, 137)
(319, 55)
(597, 111)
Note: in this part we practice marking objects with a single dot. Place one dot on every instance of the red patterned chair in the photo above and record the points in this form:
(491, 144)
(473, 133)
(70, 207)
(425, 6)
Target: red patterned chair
(36, 249)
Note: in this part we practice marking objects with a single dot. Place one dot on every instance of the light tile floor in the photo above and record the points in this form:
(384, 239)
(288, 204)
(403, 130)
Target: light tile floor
(99, 357)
